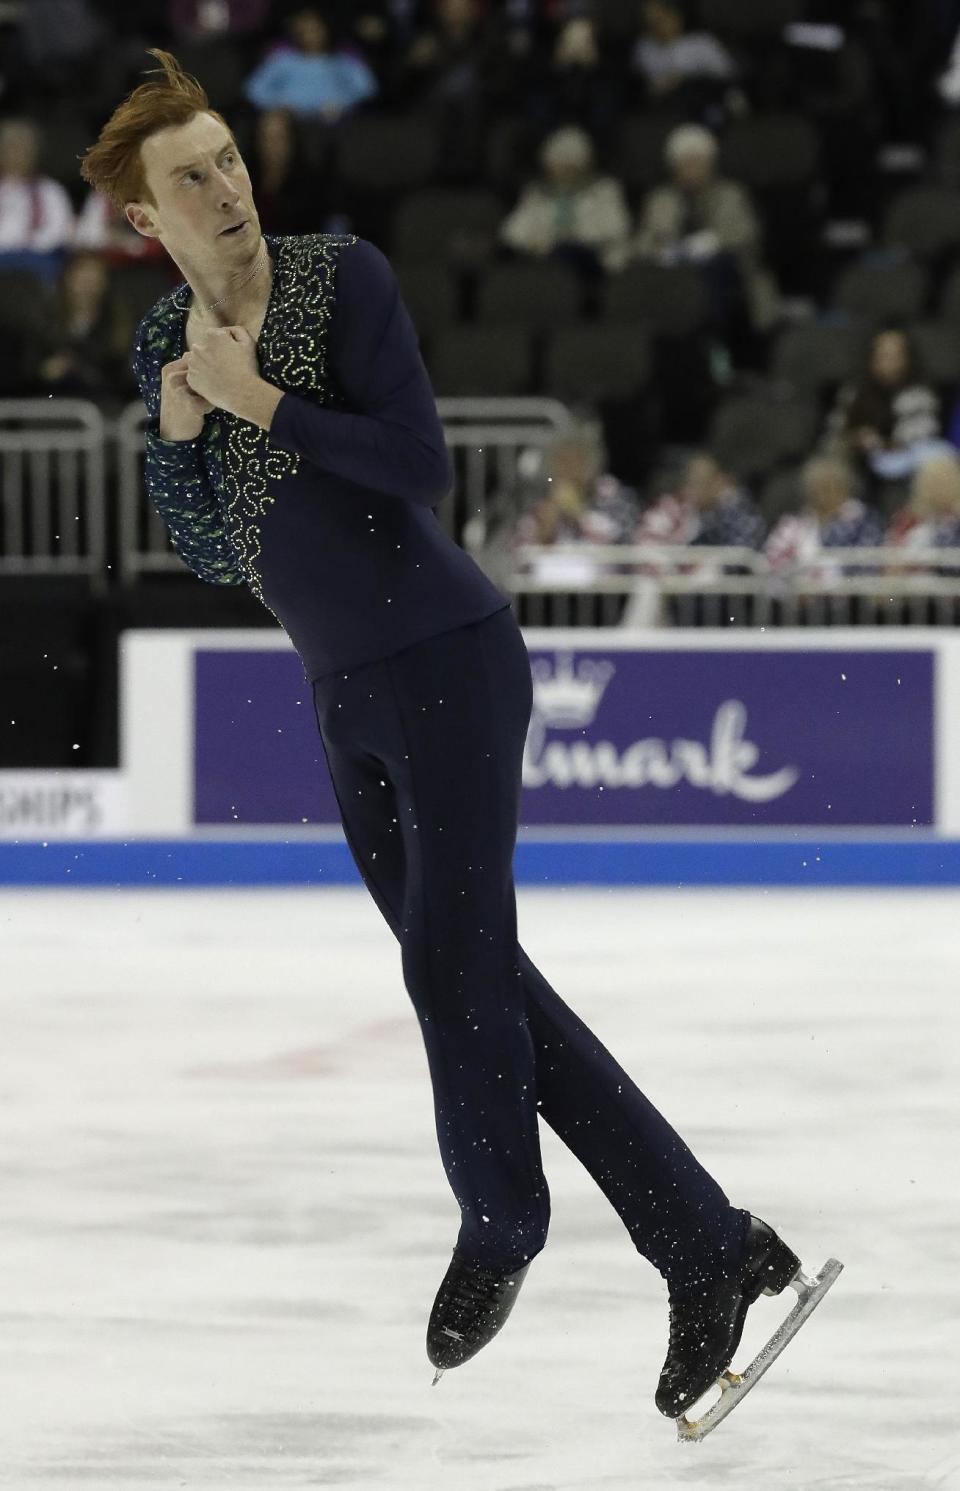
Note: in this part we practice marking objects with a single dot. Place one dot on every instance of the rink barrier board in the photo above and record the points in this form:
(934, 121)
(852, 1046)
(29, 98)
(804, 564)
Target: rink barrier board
(551, 864)
(214, 719)
(230, 717)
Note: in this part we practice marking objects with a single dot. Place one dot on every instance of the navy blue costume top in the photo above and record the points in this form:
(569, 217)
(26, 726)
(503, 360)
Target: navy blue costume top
(330, 516)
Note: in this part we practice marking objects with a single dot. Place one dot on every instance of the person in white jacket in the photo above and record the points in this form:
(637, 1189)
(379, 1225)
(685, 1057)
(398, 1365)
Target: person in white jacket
(36, 214)
(569, 205)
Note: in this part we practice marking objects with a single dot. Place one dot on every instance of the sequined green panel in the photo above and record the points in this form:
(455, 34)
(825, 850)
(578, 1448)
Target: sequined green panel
(213, 491)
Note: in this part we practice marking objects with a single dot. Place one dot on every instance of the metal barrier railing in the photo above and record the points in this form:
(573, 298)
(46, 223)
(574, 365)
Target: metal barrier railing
(52, 512)
(485, 437)
(53, 504)
(650, 585)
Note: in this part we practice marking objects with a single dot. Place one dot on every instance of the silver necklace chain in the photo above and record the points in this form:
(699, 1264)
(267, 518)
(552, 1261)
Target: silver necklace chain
(241, 283)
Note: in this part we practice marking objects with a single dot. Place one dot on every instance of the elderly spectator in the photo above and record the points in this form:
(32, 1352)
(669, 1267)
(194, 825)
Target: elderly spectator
(707, 507)
(575, 500)
(310, 76)
(682, 69)
(450, 67)
(571, 210)
(886, 421)
(930, 519)
(701, 218)
(833, 516)
(36, 215)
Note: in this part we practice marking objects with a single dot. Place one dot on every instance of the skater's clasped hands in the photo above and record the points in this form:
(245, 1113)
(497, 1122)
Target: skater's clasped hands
(222, 367)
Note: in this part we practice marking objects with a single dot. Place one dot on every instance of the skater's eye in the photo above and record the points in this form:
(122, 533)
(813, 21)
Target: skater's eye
(228, 156)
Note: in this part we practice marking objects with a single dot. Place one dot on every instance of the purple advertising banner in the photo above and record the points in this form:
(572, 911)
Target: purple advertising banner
(621, 737)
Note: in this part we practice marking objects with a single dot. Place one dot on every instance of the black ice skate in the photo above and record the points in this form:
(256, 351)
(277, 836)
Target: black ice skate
(705, 1329)
(472, 1304)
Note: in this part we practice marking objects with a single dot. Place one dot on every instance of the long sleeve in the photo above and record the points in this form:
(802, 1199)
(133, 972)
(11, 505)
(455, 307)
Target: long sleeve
(395, 442)
(177, 485)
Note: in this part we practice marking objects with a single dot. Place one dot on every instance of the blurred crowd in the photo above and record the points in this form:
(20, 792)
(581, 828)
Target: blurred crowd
(725, 232)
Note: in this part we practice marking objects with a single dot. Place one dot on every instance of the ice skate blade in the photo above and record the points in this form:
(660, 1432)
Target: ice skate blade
(734, 1386)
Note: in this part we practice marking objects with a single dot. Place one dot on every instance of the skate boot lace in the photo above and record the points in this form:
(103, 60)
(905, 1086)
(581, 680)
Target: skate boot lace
(479, 1286)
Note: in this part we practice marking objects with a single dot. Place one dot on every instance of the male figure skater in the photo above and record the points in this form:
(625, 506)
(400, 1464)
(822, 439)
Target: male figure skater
(294, 445)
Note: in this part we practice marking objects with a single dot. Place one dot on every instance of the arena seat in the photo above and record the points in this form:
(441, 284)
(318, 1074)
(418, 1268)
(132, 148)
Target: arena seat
(950, 298)
(816, 355)
(752, 434)
(531, 292)
(938, 351)
(596, 361)
(218, 63)
(770, 150)
(881, 289)
(925, 220)
(430, 292)
(749, 19)
(669, 301)
(385, 154)
(781, 493)
(481, 361)
(443, 223)
(639, 150)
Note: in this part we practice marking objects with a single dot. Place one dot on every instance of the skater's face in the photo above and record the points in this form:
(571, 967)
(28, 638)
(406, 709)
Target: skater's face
(200, 185)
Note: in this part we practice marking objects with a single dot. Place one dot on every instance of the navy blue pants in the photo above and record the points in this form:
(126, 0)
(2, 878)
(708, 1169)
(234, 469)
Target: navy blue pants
(425, 751)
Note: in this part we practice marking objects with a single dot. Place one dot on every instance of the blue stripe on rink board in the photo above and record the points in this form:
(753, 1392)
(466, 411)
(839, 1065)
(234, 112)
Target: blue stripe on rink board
(179, 862)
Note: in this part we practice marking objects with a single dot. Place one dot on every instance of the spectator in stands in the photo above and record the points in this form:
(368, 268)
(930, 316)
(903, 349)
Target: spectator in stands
(84, 349)
(102, 226)
(570, 210)
(450, 49)
(448, 68)
(700, 218)
(575, 500)
(36, 215)
(311, 76)
(684, 71)
(575, 82)
(707, 507)
(290, 197)
(931, 517)
(833, 516)
(886, 421)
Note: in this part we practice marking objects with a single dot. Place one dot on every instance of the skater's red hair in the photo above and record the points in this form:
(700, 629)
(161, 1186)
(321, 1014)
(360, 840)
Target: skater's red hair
(113, 165)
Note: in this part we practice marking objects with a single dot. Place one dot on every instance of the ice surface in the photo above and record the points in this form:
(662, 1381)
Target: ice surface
(223, 1217)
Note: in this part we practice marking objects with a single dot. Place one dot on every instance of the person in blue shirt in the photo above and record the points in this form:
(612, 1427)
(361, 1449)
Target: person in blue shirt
(293, 444)
(311, 78)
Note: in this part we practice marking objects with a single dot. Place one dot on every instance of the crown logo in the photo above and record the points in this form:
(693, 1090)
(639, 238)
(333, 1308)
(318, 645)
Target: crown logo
(564, 699)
